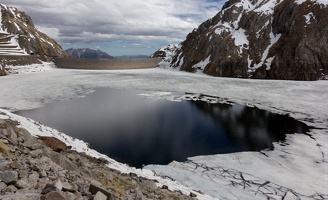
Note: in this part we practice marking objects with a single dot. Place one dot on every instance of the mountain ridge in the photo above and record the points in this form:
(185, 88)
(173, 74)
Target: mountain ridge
(21, 43)
(87, 53)
(267, 39)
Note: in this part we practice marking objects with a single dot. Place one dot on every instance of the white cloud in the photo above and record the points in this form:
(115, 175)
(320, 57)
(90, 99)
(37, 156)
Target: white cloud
(70, 21)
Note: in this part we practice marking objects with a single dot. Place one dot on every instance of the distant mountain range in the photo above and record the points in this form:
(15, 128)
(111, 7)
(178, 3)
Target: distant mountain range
(267, 39)
(87, 53)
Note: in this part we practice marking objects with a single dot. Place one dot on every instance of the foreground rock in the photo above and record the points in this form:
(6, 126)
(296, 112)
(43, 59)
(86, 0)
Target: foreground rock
(44, 168)
(258, 39)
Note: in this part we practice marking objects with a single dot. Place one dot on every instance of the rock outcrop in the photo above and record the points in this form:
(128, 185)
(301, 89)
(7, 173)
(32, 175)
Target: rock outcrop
(270, 39)
(44, 168)
(87, 53)
(20, 38)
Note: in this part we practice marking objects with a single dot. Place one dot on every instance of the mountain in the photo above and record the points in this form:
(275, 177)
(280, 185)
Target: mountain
(269, 39)
(19, 39)
(87, 53)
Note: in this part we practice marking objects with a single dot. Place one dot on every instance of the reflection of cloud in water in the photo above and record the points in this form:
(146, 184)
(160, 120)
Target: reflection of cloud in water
(137, 130)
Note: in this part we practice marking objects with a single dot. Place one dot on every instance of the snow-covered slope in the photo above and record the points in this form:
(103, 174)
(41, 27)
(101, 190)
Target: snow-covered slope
(18, 36)
(276, 39)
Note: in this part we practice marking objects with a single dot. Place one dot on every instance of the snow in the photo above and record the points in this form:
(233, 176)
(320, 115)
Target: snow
(202, 64)
(14, 38)
(273, 39)
(240, 38)
(308, 18)
(296, 168)
(30, 68)
(267, 7)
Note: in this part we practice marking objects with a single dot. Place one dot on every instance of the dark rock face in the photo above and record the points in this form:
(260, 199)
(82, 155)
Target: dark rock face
(259, 39)
(20, 26)
(87, 53)
(2, 71)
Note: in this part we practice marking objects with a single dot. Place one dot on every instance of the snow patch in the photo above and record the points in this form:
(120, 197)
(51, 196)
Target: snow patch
(308, 18)
(267, 7)
(240, 39)
(273, 40)
(202, 64)
(27, 69)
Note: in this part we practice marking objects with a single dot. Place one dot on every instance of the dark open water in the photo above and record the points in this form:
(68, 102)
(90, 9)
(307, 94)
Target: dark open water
(140, 131)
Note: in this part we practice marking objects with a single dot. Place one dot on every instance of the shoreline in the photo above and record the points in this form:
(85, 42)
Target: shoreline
(298, 164)
(46, 160)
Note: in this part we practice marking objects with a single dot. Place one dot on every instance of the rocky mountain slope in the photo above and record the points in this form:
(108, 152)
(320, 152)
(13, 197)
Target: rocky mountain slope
(46, 168)
(19, 38)
(87, 53)
(273, 39)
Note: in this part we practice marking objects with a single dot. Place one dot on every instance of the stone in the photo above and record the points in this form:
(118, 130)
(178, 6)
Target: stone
(95, 188)
(33, 177)
(22, 197)
(148, 184)
(12, 136)
(2, 186)
(36, 153)
(16, 165)
(54, 195)
(9, 177)
(10, 189)
(25, 151)
(69, 187)
(3, 132)
(192, 195)
(43, 173)
(5, 165)
(3, 125)
(50, 187)
(100, 196)
(32, 144)
(64, 162)
(4, 149)
(23, 174)
(21, 132)
(22, 183)
(83, 188)
(165, 187)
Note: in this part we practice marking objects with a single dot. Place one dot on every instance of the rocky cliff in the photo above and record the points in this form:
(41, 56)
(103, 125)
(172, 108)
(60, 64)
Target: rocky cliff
(87, 53)
(19, 37)
(272, 39)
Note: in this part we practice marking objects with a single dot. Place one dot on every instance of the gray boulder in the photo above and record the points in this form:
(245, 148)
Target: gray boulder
(9, 177)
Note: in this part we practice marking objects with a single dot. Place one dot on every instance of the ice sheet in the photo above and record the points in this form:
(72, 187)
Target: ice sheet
(296, 168)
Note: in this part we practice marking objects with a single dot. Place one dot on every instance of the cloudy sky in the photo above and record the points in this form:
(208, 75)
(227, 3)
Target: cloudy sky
(118, 27)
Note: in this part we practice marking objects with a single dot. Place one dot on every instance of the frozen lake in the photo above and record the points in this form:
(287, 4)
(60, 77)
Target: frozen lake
(130, 127)
(296, 168)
